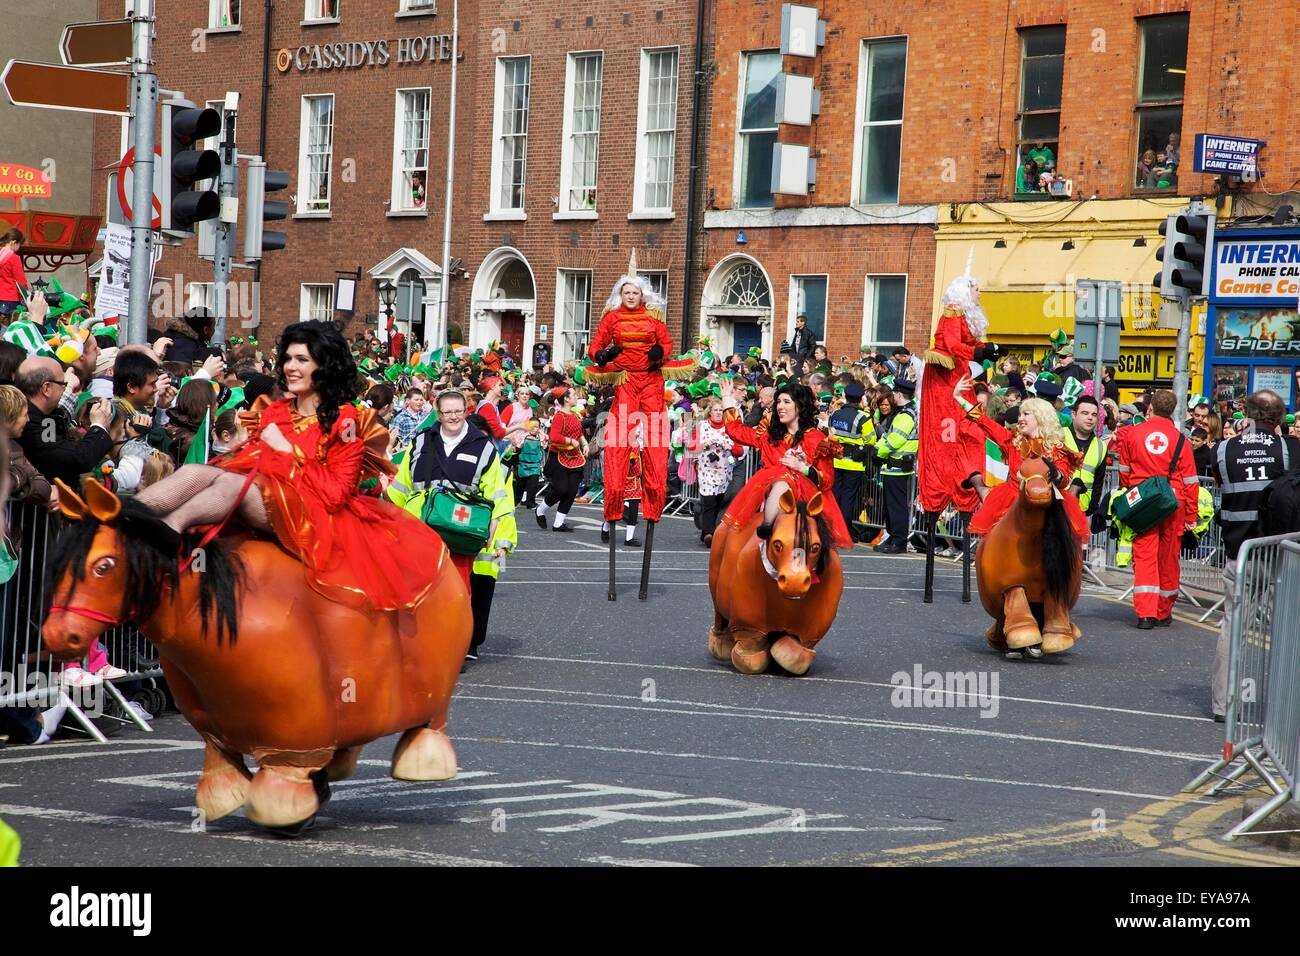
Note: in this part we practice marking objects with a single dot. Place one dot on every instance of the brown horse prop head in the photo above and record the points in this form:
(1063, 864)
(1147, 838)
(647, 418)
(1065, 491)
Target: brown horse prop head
(111, 564)
(1060, 551)
(1036, 488)
(795, 550)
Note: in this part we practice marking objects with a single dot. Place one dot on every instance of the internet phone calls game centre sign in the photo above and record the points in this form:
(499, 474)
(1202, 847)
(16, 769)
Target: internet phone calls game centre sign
(1260, 268)
(1229, 155)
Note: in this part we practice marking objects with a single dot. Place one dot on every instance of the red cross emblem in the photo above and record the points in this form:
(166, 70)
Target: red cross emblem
(461, 514)
(1156, 443)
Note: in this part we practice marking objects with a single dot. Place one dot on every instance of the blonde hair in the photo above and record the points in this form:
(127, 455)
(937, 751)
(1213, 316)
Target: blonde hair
(157, 466)
(12, 404)
(1049, 424)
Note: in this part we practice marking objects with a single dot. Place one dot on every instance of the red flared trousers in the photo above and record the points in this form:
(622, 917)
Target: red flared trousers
(639, 401)
(1157, 575)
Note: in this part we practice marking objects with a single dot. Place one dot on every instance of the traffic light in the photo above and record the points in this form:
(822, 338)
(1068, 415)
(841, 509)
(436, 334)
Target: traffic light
(1188, 238)
(184, 164)
(258, 182)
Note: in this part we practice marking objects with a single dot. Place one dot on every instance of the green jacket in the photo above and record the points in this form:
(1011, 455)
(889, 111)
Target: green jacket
(898, 442)
(495, 484)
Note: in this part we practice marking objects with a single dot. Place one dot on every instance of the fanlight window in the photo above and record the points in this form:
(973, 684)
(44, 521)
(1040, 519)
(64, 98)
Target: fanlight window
(747, 288)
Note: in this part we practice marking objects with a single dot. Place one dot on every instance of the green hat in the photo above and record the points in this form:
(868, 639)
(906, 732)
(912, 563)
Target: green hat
(234, 401)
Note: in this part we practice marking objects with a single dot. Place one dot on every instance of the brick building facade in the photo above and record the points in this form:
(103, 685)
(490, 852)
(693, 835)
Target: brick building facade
(926, 114)
(945, 101)
(554, 107)
(608, 137)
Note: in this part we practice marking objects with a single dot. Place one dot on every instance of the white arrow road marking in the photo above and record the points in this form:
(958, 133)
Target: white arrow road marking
(612, 861)
(327, 848)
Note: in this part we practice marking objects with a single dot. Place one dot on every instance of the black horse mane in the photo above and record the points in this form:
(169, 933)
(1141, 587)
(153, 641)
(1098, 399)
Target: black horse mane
(802, 538)
(1060, 552)
(153, 560)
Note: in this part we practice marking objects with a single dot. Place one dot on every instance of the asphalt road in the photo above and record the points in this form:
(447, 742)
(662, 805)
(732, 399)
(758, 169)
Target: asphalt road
(599, 733)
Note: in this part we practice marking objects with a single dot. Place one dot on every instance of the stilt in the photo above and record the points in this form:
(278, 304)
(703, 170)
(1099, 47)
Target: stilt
(645, 560)
(613, 550)
(965, 557)
(931, 521)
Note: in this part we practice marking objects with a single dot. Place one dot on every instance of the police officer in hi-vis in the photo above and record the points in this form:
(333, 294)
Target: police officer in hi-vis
(896, 446)
(852, 428)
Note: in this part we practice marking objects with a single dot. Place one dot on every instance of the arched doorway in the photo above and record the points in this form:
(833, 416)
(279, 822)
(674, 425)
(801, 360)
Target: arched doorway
(408, 307)
(736, 308)
(504, 305)
(416, 278)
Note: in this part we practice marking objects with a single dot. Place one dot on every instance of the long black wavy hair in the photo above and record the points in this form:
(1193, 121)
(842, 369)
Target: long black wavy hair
(803, 398)
(336, 377)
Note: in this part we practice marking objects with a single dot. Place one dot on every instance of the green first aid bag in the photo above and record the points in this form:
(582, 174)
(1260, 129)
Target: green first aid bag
(1144, 506)
(462, 521)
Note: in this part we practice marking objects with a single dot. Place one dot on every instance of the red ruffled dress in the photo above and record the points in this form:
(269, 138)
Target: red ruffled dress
(819, 451)
(1002, 497)
(361, 551)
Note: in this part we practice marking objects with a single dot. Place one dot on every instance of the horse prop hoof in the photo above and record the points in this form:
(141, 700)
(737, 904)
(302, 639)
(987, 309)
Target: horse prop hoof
(223, 785)
(1022, 637)
(720, 645)
(792, 655)
(279, 798)
(1054, 642)
(750, 660)
(424, 754)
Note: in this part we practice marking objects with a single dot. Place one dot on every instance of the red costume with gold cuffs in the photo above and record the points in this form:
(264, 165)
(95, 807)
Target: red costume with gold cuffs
(1015, 450)
(817, 449)
(638, 400)
(951, 446)
(358, 550)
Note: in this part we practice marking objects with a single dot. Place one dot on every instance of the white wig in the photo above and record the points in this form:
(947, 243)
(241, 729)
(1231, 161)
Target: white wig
(649, 298)
(963, 294)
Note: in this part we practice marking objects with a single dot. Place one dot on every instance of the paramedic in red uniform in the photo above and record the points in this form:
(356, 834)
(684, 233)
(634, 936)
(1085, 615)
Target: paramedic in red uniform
(1146, 451)
(629, 348)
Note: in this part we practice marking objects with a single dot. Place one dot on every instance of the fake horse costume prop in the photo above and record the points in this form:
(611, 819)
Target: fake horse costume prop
(1030, 569)
(630, 348)
(260, 662)
(774, 599)
(1029, 563)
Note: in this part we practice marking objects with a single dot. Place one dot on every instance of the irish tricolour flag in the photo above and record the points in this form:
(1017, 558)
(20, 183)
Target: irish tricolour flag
(995, 466)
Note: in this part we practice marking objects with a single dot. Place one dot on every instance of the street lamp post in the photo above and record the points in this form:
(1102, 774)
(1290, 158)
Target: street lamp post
(387, 296)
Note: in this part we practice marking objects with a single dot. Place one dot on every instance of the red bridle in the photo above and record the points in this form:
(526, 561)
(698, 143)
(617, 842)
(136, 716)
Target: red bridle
(89, 612)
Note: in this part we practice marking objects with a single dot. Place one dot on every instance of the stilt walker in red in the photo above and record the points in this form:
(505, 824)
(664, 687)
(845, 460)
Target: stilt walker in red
(630, 347)
(951, 447)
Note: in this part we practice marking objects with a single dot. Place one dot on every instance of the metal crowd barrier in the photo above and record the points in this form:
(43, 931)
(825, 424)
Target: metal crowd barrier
(1280, 739)
(1251, 629)
(29, 675)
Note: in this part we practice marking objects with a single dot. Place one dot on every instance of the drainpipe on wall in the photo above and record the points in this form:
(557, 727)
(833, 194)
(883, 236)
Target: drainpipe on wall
(692, 203)
(269, 7)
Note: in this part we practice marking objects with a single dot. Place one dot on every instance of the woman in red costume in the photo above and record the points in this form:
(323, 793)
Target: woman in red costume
(630, 347)
(306, 457)
(796, 456)
(1038, 435)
